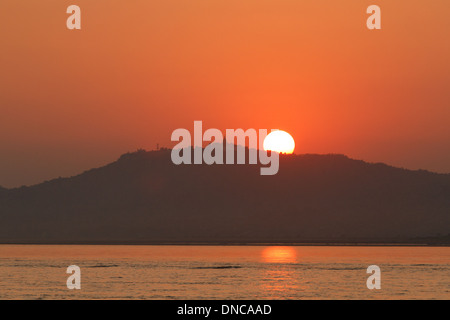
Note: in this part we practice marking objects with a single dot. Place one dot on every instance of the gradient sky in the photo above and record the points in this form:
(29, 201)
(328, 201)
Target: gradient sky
(73, 100)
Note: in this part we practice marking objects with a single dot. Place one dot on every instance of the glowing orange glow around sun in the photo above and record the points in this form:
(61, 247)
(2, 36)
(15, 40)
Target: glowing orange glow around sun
(279, 141)
(279, 255)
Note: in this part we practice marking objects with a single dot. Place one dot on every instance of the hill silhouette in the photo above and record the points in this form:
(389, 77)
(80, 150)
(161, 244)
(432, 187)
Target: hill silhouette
(144, 198)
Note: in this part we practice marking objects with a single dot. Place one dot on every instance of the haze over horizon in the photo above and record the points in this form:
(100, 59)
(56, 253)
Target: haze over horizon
(74, 100)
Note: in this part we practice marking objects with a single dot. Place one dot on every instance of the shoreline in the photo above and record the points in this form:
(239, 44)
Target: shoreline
(230, 244)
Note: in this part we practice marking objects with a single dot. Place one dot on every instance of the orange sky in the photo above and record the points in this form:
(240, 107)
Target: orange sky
(72, 100)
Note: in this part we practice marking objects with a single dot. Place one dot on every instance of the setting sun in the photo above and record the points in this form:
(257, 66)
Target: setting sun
(279, 141)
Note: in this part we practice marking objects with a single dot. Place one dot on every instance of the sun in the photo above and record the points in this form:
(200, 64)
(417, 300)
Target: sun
(279, 141)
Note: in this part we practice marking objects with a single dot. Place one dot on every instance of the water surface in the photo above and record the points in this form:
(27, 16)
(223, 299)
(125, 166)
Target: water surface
(223, 272)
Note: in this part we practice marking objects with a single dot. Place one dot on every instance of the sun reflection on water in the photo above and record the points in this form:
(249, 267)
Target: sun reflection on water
(279, 255)
(281, 279)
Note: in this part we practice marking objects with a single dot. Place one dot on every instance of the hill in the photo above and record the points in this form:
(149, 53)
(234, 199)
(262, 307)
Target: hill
(144, 198)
